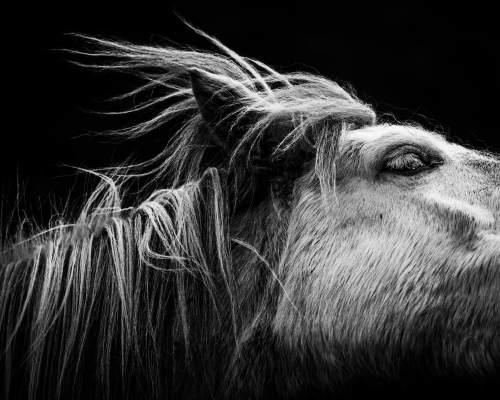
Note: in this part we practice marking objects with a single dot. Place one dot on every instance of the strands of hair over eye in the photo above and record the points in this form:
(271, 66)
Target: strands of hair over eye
(120, 285)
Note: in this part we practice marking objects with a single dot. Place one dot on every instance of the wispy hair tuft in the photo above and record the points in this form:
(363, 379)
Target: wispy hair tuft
(119, 291)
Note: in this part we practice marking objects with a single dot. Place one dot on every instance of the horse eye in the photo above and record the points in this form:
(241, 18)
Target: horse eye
(406, 164)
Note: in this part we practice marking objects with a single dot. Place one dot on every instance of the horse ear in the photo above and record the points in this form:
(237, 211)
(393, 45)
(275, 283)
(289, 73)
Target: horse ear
(217, 96)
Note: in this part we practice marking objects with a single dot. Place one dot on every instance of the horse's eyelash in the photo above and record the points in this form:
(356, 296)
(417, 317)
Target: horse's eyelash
(406, 160)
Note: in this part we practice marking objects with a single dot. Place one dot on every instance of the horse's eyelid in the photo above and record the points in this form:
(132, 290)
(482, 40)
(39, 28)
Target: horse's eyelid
(415, 154)
(428, 161)
(426, 158)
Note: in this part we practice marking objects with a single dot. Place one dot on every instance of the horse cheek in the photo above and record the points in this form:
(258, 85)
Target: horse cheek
(351, 303)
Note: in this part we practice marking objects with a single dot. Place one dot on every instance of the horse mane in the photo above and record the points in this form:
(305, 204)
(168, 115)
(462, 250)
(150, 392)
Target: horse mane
(119, 291)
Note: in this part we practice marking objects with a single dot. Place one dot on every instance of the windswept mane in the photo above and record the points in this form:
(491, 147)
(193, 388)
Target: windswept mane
(129, 291)
(304, 106)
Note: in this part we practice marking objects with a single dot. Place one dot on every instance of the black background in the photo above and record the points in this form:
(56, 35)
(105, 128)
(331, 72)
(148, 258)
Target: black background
(434, 65)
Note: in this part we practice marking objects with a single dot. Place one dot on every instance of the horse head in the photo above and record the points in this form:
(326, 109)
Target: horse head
(288, 243)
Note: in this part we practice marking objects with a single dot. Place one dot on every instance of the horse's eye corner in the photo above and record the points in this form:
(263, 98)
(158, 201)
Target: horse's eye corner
(409, 164)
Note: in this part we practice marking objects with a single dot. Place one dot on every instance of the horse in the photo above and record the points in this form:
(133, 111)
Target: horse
(286, 243)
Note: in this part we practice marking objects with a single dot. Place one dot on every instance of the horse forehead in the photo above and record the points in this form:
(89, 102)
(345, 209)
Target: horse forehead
(382, 135)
